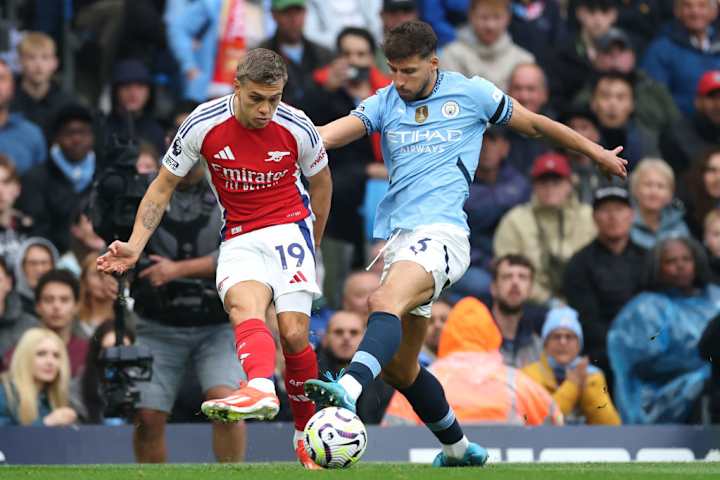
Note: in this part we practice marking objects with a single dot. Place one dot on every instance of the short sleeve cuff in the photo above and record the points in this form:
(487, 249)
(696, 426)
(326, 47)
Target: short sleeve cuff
(366, 121)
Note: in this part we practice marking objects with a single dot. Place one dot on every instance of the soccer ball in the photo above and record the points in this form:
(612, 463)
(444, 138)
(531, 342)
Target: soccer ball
(335, 438)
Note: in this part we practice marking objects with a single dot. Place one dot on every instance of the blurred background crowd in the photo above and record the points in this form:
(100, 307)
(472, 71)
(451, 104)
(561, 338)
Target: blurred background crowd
(587, 301)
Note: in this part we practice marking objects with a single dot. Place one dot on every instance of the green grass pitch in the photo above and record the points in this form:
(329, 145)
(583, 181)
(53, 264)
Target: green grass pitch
(287, 471)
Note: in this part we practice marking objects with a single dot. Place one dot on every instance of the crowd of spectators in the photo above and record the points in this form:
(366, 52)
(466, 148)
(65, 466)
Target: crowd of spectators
(598, 297)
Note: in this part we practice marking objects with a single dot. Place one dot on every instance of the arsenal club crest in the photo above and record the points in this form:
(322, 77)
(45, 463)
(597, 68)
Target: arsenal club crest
(421, 114)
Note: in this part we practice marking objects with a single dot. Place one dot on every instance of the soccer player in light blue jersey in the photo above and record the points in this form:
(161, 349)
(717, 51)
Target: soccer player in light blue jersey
(432, 123)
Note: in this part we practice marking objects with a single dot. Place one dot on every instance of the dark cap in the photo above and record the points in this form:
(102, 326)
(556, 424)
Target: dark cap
(577, 112)
(396, 5)
(551, 163)
(610, 193)
(130, 71)
(613, 37)
(68, 113)
(281, 5)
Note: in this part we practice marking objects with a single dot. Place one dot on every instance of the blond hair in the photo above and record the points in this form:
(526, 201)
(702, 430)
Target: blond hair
(34, 41)
(651, 164)
(19, 382)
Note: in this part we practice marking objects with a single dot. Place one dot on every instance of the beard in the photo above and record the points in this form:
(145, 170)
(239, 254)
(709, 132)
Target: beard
(508, 309)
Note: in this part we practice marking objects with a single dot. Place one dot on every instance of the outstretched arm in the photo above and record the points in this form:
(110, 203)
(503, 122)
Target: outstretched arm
(342, 131)
(320, 196)
(123, 255)
(536, 126)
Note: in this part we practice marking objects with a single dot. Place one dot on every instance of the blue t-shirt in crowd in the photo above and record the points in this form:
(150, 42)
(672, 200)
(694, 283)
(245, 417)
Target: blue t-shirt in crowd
(431, 148)
(23, 142)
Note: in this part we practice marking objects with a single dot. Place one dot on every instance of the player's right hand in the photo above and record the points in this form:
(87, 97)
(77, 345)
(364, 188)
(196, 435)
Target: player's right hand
(119, 258)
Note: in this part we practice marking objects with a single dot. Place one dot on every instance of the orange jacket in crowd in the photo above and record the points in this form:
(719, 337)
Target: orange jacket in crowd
(478, 386)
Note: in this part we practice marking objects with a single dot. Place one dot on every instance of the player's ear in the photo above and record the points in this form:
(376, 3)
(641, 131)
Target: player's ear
(435, 61)
(237, 85)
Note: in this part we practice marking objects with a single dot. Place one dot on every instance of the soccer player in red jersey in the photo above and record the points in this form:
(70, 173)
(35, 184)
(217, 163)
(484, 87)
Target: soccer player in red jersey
(255, 149)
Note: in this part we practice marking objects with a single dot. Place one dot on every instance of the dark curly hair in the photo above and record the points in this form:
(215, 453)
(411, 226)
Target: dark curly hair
(409, 39)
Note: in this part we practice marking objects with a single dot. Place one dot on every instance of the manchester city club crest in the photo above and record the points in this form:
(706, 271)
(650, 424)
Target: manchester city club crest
(450, 109)
(421, 114)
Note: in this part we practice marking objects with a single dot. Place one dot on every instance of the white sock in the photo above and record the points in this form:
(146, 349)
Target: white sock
(263, 384)
(297, 436)
(351, 386)
(457, 449)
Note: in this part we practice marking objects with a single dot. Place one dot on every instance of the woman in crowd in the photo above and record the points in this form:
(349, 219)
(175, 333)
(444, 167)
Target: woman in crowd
(652, 185)
(97, 299)
(702, 191)
(35, 389)
(93, 404)
(653, 342)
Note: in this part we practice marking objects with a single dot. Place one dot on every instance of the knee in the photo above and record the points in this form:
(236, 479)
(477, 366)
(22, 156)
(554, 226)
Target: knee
(400, 377)
(150, 423)
(239, 313)
(380, 301)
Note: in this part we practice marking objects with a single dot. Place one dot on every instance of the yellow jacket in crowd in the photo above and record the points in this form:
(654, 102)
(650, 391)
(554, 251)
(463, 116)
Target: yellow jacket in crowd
(592, 401)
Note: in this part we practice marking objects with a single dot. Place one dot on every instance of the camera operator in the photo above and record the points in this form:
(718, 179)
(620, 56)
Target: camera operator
(182, 320)
(340, 87)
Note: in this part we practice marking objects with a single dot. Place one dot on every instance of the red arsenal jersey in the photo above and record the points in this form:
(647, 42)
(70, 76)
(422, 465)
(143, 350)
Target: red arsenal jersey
(255, 173)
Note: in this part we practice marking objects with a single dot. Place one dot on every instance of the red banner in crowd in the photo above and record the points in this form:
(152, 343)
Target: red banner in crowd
(231, 46)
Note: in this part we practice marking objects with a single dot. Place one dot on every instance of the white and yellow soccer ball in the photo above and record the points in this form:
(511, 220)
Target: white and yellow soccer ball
(335, 438)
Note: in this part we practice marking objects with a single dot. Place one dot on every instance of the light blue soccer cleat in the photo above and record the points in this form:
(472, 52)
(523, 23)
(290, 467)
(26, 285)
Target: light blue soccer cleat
(475, 456)
(329, 393)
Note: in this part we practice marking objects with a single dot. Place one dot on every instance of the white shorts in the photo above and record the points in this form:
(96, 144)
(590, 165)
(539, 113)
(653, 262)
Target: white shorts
(282, 257)
(442, 250)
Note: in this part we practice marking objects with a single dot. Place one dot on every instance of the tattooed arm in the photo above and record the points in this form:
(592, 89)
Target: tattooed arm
(122, 256)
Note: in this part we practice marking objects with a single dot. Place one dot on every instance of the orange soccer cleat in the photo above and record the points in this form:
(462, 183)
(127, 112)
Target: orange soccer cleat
(244, 403)
(304, 458)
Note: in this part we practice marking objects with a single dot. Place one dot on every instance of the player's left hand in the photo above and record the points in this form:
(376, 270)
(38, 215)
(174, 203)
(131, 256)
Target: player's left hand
(610, 164)
(163, 271)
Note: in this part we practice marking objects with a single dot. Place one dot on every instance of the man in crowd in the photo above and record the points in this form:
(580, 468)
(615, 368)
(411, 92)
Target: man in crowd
(613, 103)
(484, 47)
(21, 140)
(550, 228)
(528, 85)
(655, 108)
(38, 96)
(35, 257)
(344, 333)
(438, 316)
(14, 224)
(301, 55)
(604, 275)
(511, 287)
(52, 191)
(358, 287)
(13, 320)
(680, 54)
(57, 306)
(393, 13)
(686, 139)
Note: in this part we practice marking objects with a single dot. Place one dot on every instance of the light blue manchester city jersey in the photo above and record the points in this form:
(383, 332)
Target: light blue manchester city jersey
(431, 148)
